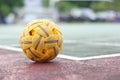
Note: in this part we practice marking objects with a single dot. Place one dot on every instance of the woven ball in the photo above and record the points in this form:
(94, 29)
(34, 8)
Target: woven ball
(41, 40)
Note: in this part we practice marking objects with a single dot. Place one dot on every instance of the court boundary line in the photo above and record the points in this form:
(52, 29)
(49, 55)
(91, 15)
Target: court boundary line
(92, 43)
(66, 56)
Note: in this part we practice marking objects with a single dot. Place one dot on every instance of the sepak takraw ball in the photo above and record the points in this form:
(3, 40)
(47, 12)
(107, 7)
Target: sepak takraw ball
(41, 40)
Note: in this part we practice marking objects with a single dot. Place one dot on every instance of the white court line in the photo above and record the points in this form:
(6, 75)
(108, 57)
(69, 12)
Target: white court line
(66, 56)
(91, 43)
(10, 48)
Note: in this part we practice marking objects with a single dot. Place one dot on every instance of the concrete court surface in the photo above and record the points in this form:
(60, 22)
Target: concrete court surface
(15, 66)
(80, 39)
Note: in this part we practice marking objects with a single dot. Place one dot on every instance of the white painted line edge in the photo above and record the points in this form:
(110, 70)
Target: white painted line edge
(10, 48)
(66, 56)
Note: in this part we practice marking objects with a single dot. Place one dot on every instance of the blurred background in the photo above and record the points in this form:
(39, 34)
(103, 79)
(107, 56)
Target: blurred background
(89, 27)
(23, 11)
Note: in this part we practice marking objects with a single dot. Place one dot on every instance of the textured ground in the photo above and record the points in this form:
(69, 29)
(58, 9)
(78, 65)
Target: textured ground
(15, 66)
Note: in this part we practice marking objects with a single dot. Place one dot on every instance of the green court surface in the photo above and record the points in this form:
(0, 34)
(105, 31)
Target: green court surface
(80, 40)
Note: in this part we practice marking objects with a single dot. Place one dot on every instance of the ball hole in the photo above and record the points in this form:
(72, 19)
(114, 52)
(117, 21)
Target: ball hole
(44, 51)
(55, 31)
(32, 32)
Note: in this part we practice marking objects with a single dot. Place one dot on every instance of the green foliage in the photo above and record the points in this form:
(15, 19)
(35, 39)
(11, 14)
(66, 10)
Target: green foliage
(99, 6)
(66, 6)
(80, 3)
(116, 5)
(5, 10)
(46, 3)
(7, 6)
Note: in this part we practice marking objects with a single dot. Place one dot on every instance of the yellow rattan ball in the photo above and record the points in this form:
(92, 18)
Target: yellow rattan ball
(41, 40)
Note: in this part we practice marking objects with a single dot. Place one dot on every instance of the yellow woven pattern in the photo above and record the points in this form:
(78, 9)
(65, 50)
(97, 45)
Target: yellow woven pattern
(41, 40)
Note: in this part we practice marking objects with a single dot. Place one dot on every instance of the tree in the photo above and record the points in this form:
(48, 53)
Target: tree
(46, 3)
(7, 6)
(116, 5)
(100, 6)
(66, 6)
